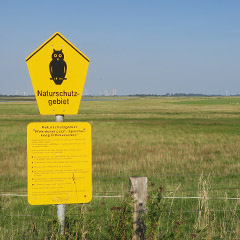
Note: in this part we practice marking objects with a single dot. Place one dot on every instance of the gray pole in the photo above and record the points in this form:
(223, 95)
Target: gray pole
(61, 207)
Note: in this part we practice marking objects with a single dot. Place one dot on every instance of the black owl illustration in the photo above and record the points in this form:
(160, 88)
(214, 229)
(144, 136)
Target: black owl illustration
(58, 67)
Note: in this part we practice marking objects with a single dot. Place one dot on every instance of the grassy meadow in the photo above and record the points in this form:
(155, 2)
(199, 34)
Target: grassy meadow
(187, 147)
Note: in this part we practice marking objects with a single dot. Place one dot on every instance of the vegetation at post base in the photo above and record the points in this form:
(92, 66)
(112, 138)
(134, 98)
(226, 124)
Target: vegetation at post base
(154, 212)
(187, 147)
(121, 221)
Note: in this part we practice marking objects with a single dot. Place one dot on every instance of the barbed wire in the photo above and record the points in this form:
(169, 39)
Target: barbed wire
(173, 175)
(122, 196)
(13, 195)
(75, 214)
(24, 193)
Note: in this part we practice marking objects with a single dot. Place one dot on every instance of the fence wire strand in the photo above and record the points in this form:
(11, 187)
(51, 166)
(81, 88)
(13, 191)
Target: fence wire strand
(122, 196)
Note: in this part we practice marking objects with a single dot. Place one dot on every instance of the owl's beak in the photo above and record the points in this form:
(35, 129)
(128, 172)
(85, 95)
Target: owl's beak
(57, 59)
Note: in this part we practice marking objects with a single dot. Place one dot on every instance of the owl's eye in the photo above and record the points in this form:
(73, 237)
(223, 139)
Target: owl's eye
(60, 55)
(55, 55)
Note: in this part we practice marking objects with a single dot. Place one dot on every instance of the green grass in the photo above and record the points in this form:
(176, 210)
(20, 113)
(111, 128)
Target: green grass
(172, 141)
(211, 101)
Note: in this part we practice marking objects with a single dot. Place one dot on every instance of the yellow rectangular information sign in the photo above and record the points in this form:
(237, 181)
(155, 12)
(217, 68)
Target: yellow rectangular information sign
(59, 163)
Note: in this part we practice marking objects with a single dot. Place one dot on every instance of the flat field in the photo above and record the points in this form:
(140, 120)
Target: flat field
(187, 147)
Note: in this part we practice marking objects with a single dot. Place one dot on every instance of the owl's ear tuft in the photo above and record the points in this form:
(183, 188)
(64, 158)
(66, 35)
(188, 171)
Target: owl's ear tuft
(61, 50)
(53, 50)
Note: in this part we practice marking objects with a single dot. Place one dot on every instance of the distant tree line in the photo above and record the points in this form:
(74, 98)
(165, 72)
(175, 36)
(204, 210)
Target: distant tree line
(147, 95)
(180, 95)
(5, 95)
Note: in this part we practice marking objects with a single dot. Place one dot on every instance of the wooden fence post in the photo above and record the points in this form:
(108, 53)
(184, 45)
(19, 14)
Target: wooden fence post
(138, 190)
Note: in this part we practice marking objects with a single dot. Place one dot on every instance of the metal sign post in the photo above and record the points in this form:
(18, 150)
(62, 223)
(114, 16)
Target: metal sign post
(61, 216)
(61, 207)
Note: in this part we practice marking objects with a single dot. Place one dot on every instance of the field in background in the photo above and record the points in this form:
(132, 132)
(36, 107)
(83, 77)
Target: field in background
(189, 147)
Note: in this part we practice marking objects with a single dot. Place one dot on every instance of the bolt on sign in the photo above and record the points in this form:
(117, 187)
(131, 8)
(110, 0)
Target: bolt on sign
(58, 71)
(59, 163)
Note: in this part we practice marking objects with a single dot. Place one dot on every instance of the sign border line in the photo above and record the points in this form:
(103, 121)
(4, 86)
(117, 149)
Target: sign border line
(50, 40)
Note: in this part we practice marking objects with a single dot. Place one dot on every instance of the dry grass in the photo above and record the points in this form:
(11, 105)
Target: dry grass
(172, 141)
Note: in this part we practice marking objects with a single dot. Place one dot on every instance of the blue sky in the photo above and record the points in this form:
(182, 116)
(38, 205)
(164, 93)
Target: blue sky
(156, 47)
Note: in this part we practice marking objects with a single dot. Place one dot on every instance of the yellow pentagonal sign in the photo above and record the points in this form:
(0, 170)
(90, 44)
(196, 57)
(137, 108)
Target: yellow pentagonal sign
(58, 71)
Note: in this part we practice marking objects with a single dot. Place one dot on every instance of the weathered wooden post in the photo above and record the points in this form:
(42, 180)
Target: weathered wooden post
(138, 190)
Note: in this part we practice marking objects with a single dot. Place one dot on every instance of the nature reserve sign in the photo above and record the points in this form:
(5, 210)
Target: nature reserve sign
(58, 71)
